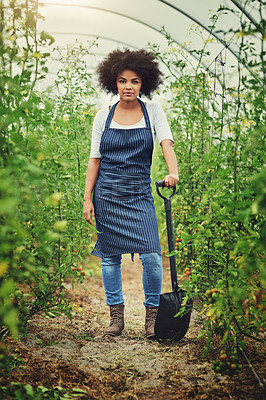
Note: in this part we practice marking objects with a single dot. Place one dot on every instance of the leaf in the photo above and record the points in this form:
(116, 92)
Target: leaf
(208, 233)
(173, 253)
(60, 225)
(201, 334)
(185, 237)
(3, 267)
(77, 390)
(215, 206)
(218, 244)
(203, 310)
(225, 337)
(210, 312)
(8, 287)
(42, 389)
(8, 206)
(51, 236)
(46, 37)
(254, 207)
(29, 390)
(205, 352)
(10, 320)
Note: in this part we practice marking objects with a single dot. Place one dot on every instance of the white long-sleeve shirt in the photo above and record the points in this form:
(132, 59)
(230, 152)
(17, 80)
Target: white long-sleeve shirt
(158, 121)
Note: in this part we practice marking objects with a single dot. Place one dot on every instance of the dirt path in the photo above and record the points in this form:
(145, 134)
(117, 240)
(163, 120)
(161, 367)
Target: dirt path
(74, 353)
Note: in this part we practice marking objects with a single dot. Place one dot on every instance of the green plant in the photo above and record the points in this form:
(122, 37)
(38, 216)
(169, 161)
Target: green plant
(15, 362)
(22, 60)
(49, 343)
(228, 364)
(82, 336)
(17, 391)
(219, 209)
(44, 139)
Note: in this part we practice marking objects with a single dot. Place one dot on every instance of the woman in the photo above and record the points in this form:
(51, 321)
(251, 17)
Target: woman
(119, 174)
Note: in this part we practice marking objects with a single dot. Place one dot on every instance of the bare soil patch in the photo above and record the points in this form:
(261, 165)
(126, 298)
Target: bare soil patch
(75, 354)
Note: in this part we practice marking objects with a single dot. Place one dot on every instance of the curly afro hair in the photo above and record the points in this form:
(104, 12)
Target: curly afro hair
(140, 61)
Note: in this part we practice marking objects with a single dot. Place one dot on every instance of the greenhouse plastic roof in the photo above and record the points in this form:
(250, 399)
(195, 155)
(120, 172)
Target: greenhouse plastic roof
(135, 24)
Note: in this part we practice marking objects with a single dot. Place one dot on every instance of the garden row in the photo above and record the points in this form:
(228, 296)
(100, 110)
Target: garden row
(219, 132)
(219, 209)
(45, 146)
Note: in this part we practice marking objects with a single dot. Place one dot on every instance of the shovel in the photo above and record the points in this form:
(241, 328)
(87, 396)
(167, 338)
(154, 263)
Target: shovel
(167, 325)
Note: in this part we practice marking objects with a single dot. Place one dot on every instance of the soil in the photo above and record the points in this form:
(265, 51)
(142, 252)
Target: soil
(76, 354)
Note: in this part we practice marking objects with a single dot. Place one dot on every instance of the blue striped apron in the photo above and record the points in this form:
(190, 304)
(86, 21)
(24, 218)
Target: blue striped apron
(124, 207)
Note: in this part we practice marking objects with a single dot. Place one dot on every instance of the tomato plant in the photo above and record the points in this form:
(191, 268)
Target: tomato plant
(220, 201)
(219, 210)
(45, 141)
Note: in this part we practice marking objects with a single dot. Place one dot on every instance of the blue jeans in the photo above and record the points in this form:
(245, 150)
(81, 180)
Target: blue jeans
(152, 277)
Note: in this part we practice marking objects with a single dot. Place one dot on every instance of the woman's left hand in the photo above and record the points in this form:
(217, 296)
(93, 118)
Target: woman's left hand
(169, 155)
(171, 180)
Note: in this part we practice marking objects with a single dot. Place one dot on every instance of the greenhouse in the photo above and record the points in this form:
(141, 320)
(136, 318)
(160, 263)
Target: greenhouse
(210, 92)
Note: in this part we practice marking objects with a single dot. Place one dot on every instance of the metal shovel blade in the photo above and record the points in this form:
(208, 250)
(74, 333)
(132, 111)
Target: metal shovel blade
(167, 325)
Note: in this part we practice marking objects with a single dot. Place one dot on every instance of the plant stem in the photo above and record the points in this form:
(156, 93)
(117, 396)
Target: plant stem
(203, 115)
(262, 384)
(59, 240)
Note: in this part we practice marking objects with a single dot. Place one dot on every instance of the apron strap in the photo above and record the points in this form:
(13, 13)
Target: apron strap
(110, 116)
(145, 113)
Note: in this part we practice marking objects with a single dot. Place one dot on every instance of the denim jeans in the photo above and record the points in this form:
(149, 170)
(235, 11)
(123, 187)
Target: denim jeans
(152, 277)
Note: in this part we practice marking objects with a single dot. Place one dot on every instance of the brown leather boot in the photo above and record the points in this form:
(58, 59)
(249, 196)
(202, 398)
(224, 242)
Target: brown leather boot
(117, 320)
(151, 314)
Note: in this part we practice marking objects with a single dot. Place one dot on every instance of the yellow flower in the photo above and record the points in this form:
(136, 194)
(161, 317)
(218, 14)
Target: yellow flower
(240, 34)
(20, 249)
(36, 55)
(12, 38)
(3, 267)
(60, 225)
(53, 199)
(40, 157)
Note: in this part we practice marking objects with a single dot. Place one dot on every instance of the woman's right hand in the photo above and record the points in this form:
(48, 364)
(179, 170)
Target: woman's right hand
(88, 211)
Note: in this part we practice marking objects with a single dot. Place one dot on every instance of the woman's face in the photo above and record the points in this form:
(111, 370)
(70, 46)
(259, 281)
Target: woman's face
(128, 85)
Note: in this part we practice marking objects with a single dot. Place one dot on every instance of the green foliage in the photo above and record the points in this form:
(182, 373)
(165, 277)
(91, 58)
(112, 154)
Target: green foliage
(45, 141)
(17, 391)
(219, 209)
(220, 206)
(49, 343)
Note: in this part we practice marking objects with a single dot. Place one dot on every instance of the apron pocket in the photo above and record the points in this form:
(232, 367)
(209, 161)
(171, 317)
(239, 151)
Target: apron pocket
(122, 187)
